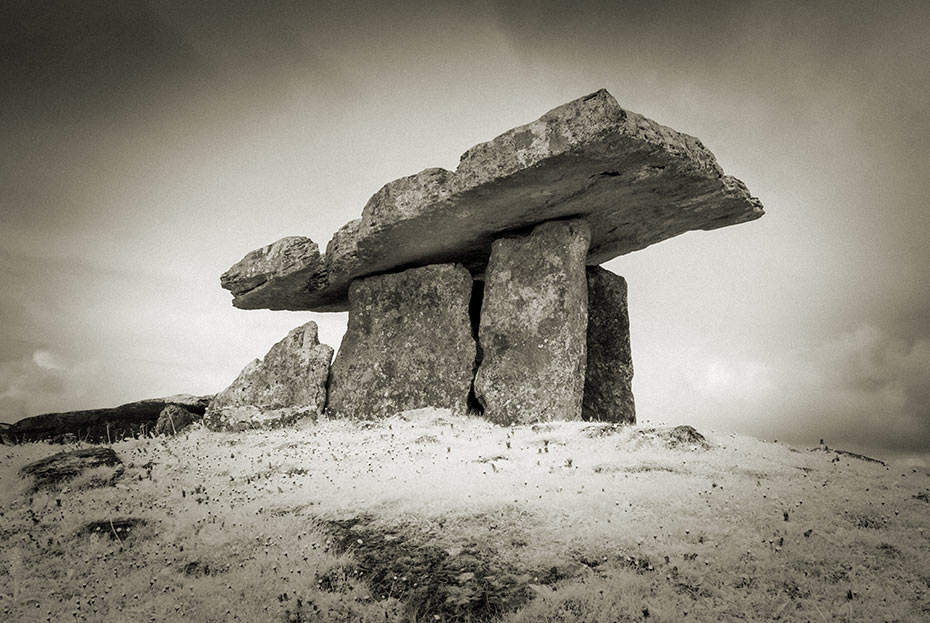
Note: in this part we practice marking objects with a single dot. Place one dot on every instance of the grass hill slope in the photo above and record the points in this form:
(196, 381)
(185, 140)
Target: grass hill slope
(434, 517)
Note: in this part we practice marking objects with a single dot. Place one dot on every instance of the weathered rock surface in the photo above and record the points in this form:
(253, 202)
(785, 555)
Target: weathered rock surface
(635, 182)
(173, 419)
(682, 437)
(533, 326)
(100, 425)
(408, 344)
(66, 465)
(288, 384)
(282, 271)
(608, 390)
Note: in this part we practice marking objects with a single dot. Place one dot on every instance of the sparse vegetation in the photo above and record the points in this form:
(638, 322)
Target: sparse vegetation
(433, 517)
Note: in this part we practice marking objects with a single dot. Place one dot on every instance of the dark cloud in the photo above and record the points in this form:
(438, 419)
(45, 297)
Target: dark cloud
(62, 59)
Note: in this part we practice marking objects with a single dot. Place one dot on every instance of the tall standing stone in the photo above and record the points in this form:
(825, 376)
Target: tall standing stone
(288, 384)
(608, 391)
(408, 344)
(533, 325)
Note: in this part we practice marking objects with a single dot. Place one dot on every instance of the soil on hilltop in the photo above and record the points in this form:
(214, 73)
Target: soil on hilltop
(433, 517)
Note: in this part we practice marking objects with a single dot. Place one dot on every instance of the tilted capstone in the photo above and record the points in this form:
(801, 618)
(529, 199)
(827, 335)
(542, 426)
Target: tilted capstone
(634, 181)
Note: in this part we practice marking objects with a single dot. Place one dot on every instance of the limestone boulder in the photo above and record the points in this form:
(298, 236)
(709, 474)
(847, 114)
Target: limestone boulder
(174, 419)
(281, 271)
(608, 390)
(533, 325)
(636, 183)
(288, 384)
(408, 344)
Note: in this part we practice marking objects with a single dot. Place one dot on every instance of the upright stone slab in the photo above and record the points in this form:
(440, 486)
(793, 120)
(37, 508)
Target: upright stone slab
(533, 325)
(288, 384)
(608, 391)
(408, 344)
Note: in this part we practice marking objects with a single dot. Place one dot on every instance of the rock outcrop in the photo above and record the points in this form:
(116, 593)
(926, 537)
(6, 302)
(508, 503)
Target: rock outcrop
(101, 425)
(608, 390)
(634, 181)
(533, 325)
(173, 419)
(288, 384)
(408, 344)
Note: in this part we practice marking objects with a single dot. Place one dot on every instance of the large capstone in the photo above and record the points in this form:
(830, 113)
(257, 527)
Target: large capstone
(408, 344)
(533, 325)
(608, 391)
(288, 384)
(636, 183)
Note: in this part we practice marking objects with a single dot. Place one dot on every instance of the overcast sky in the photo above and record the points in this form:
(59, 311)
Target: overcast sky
(147, 146)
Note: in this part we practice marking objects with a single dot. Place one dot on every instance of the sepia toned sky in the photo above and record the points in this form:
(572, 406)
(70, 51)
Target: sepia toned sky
(148, 145)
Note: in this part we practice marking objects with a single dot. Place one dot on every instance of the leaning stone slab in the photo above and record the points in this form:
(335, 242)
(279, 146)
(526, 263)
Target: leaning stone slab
(533, 326)
(636, 183)
(288, 384)
(608, 390)
(408, 344)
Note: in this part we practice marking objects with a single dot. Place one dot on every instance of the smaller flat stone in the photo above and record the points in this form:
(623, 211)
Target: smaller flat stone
(282, 270)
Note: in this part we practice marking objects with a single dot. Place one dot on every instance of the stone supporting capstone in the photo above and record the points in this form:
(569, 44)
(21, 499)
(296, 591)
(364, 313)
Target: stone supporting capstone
(408, 344)
(533, 325)
(608, 392)
(288, 384)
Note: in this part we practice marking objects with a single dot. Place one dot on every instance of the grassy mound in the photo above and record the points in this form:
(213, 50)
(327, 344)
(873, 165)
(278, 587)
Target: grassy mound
(433, 517)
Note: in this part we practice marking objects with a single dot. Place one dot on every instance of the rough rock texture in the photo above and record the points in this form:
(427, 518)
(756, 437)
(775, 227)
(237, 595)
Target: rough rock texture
(636, 183)
(680, 437)
(66, 465)
(408, 344)
(533, 326)
(608, 391)
(100, 425)
(281, 271)
(173, 419)
(288, 384)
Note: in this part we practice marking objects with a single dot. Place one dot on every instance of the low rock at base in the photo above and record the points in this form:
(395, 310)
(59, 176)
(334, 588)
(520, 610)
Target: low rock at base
(408, 344)
(100, 425)
(173, 419)
(287, 385)
(67, 465)
(533, 325)
(608, 391)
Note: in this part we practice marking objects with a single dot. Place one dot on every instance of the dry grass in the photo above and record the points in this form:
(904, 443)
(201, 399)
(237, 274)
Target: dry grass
(452, 517)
